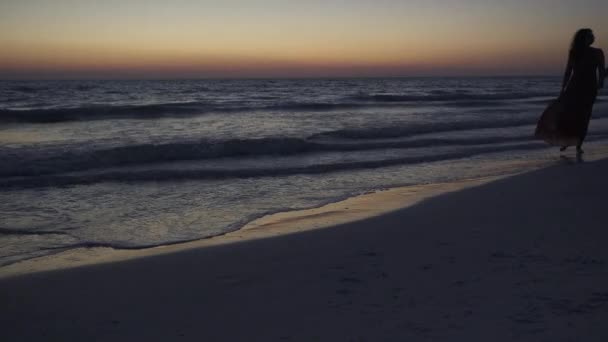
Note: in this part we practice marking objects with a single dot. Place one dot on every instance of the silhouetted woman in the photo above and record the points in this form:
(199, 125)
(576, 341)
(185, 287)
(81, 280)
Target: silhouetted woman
(584, 75)
(566, 120)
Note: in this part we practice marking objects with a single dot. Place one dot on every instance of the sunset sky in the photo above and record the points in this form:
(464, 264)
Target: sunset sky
(313, 38)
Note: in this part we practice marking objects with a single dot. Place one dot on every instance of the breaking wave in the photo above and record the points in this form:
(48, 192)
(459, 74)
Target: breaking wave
(44, 162)
(160, 175)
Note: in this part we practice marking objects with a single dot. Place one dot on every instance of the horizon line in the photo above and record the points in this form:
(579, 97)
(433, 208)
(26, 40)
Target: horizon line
(273, 78)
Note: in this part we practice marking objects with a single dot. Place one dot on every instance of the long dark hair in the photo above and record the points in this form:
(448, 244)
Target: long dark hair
(580, 43)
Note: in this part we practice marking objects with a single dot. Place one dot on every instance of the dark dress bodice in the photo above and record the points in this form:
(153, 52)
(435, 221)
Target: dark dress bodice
(583, 83)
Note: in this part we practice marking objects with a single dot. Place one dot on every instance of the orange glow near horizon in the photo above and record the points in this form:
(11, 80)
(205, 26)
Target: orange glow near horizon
(283, 39)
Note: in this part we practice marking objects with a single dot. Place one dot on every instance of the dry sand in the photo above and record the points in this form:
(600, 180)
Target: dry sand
(522, 258)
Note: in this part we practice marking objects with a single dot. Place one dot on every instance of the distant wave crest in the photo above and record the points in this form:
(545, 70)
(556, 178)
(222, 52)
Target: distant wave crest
(449, 96)
(180, 109)
(99, 112)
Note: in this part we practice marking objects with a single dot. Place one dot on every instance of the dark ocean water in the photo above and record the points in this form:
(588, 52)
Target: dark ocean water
(131, 164)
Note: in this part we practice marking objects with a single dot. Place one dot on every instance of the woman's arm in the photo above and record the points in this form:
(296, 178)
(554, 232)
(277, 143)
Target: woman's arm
(602, 67)
(567, 74)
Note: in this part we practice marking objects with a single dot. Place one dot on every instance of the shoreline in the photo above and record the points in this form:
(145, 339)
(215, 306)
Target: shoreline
(350, 209)
(521, 258)
(343, 211)
(346, 210)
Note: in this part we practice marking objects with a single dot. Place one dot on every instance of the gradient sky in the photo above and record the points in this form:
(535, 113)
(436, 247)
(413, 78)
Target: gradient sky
(312, 38)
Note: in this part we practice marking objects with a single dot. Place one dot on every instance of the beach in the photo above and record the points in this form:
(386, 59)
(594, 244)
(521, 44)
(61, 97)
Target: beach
(520, 258)
(303, 171)
(133, 165)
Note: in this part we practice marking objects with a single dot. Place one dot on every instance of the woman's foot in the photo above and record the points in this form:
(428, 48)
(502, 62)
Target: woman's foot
(563, 148)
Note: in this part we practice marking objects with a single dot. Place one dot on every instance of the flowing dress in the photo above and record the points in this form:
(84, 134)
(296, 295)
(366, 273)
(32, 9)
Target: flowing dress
(566, 120)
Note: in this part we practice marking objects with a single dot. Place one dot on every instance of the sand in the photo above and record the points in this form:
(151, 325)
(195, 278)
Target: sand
(520, 258)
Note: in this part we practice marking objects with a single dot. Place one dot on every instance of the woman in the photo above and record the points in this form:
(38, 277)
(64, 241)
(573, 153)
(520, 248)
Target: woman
(565, 122)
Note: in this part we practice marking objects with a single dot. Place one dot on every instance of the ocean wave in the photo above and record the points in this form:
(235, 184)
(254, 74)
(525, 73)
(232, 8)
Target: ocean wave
(44, 162)
(421, 128)
(12, 99)
(150, 111)
(196, 90)
(122, 245)
(180, 109)
(28, 88)
(85, 87)
(162, 175)
(11, 231)
(98, 112)
(440, 96)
